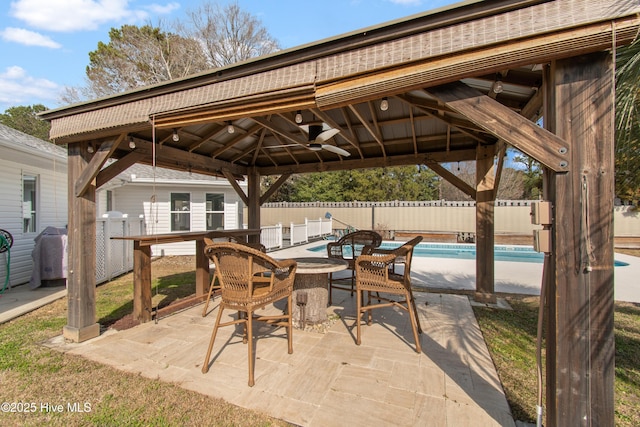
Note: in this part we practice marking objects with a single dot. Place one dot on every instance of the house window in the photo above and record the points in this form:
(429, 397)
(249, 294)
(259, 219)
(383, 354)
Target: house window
(215, 211)
(180, 211)
(109, 200)
(29, 203)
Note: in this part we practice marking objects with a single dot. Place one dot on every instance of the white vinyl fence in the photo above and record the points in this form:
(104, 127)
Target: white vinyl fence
(115, 257)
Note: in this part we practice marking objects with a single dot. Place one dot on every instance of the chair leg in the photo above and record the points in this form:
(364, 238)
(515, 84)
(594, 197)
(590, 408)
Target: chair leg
(250, 337)
(206, 304)
(290, 323)
(205, 366)
(413, 318)
(359, 315)
(415, 310)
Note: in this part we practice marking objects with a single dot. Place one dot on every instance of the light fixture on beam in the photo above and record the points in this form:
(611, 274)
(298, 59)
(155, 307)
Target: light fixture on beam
(175, 136)
(497, 86)
(90, 149)
(230, 127)
(298, 117)
(132, 143)
(384, 104)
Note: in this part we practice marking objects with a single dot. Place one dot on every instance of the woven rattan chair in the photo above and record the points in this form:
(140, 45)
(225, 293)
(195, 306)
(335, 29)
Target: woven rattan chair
(349, 247)
(250, 280)
(376, 273)
(215, 284)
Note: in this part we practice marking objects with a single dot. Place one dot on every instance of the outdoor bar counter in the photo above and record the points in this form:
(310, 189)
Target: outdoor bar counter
(142, 304)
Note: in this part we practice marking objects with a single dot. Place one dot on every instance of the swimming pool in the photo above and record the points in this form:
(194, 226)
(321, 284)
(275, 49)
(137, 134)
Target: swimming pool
(508, 253)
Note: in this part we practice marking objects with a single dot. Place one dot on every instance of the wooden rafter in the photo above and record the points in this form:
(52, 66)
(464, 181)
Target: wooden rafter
(241, 134)
(369, 128)
(218, 130)
(440, 115)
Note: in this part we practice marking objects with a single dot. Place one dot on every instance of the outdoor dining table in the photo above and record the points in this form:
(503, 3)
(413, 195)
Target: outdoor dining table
(311, 289)
(142, 303)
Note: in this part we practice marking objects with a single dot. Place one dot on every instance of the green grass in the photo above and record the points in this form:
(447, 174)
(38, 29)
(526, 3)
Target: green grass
(32, 373)
(511, 338)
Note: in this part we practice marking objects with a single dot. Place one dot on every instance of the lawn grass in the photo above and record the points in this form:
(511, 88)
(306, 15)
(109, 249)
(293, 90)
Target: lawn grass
(511, 338)
(38, 379)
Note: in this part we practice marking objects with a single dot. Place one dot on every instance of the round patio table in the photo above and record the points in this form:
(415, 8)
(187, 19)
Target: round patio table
(311, 289)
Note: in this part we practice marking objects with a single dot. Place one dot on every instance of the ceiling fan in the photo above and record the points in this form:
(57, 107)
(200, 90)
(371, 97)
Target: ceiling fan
(318, 134)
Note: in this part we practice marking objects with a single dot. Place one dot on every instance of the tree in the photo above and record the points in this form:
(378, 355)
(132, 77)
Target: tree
(228, 34)
(24, 119)
(397, 183)
(532, 176)
(140, 56)
(627, 149)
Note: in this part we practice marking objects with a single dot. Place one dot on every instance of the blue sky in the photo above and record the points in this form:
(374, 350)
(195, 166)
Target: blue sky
(44, 44)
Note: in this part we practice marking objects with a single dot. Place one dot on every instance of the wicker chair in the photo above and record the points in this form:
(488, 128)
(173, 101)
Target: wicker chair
(250, 280)
(215, 285)
(375, 273)
(348, 248)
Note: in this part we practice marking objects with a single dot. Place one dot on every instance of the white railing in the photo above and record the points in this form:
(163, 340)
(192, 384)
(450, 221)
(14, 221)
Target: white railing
(115, 257)
(298, 234)
(271, 236)
(314, 227)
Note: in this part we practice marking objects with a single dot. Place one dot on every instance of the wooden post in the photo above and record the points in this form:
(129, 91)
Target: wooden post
(81, 275)
(142, 305)
(580, 341)
(485, 200)
(253, 182)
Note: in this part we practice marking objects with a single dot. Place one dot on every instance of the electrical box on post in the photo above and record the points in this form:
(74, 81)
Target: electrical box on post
(541, 213)
(542, 241)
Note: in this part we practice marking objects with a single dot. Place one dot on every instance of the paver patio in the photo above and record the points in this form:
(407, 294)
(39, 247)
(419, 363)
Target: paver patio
(328, 380)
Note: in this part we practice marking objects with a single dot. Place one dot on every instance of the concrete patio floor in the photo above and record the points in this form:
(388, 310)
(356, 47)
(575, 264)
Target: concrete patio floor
(328, 380)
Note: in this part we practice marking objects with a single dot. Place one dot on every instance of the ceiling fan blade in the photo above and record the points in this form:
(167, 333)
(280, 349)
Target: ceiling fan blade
(326, 135)
(336, 150)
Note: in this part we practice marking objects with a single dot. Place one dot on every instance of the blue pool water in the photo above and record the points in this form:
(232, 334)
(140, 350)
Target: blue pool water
(465, 251)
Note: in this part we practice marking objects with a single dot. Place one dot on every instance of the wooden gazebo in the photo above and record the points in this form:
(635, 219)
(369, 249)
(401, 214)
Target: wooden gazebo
(461, 83)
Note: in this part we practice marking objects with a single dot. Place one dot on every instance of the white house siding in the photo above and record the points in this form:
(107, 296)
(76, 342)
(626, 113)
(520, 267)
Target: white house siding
(20, 153)
(135, 199)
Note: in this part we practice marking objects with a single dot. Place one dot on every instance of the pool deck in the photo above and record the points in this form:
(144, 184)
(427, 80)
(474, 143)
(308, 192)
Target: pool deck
(440, 274)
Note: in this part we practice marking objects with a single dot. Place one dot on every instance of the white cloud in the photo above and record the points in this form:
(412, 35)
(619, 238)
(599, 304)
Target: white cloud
(18, 88)
(28, 38)
(166, 9)
(77, 15)
(407, 2)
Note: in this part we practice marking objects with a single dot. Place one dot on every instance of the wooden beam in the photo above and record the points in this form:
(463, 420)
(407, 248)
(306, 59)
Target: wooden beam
(452, 178)
(98, 160)
(403, 160)
(253, 207)
(485, 203)
(273, 188)
(495, 118)
(81, 274)
(581, 347)
(236, 187)
(117, 167)
(177, 159)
